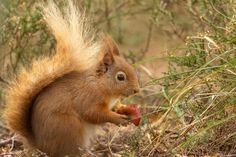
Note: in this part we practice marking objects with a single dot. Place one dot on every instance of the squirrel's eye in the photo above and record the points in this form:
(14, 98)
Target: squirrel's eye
(120, 76)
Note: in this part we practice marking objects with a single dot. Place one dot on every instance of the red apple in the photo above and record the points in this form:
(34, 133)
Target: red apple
(133, 111)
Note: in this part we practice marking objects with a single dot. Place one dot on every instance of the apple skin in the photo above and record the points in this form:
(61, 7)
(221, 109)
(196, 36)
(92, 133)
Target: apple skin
(133, 111)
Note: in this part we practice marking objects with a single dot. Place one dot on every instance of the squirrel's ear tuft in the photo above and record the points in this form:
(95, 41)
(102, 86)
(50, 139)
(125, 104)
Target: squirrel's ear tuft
(109, 45)
(108, 59)
(109, 50)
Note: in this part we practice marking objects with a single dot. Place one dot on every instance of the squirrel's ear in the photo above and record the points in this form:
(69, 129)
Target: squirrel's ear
(105, 63)
(108, 59)
(109, 45)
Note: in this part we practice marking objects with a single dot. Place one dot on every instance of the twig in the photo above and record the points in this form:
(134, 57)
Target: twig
(5, 142)
(107, 14)
(149, 37)
(4, 154)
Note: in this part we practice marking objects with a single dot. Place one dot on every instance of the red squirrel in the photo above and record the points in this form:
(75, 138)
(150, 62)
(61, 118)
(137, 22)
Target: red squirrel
(57, 102)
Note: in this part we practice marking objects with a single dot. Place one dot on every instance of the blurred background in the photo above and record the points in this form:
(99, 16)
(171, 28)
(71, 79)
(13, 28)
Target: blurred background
(184, 53)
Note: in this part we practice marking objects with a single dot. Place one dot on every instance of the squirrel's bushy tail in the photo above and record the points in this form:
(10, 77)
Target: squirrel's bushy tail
(76, 50)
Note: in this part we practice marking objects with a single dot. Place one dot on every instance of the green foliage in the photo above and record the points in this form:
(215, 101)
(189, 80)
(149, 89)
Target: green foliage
(23, 35)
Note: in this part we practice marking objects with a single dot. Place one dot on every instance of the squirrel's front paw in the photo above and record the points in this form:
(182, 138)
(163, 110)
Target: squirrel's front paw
(123, 120)
(119, 119)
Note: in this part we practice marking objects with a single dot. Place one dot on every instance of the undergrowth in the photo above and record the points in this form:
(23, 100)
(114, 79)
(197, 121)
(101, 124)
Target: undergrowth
(197, 96)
